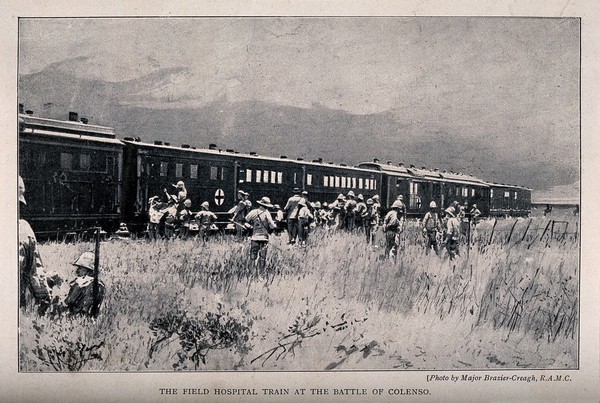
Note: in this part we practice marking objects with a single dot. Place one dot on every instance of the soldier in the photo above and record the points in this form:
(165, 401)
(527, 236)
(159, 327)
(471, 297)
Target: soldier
(305, 217)
(155, 215)
(393, 225)
(464, 219)
(350, 211)
(239, 213)
(370, 221)
(474, 213)
(279, 220)
(81, 299)
(184, 217)
(402, 207)
(432, 227)
(31, 268)
(452, 234)
(171, 222)
(359, 212)
(327, 219)
(337, 212)
(291, 212)
(206, 219)
(377, 207)
(262, 225)
(317, 213)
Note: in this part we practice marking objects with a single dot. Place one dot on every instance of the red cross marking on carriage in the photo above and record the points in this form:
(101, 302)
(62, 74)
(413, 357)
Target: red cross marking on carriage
(219, 197)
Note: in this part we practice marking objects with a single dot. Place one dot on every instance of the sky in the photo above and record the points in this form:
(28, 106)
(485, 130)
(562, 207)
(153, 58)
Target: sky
(512, 81)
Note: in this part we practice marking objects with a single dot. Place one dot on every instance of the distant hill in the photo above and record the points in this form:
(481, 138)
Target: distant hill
(271, 129)
(564, 194)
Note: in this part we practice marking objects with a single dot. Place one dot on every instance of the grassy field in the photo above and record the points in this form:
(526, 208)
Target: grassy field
(510, 301)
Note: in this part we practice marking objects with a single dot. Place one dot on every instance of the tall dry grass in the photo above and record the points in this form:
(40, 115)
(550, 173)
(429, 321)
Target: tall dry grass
(336, 304)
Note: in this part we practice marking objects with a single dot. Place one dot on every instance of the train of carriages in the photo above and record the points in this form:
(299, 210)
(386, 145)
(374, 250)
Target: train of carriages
(79, 175)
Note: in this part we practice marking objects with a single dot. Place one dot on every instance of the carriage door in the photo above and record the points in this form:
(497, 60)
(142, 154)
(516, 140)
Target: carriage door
(414, 196)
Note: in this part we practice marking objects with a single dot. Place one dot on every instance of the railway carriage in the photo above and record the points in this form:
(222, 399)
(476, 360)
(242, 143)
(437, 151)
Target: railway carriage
(72, 174)
(421, 186)
(509, 200)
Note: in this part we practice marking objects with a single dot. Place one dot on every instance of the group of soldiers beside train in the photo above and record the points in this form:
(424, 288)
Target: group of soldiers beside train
(300, 216)
(173, 217)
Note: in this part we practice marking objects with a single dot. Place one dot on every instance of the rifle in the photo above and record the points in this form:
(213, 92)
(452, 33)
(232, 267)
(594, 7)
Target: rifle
(95, 287)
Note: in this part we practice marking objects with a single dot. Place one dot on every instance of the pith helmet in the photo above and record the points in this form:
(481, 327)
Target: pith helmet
(397, 204)
(317, 205)
(351, 194)
(205, 205)
(451, 211)
(305, 193)
(187, 203)
(400, 197)
(180, 183)
(21, 190)
(325, 205)
(432, 205)
(276, 206)
(360, 197)
(86, 260)
(474, 205)
(265, 202)
(243, 193)
(369, 201)
(296, 190)
(340, 197)
(376, 197)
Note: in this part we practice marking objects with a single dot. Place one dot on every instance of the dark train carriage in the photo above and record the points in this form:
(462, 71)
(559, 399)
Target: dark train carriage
(509, 200)
(325, 181)
(466, 189)
(419, 187)
(261, 176)
(72, 175)
(150, 169)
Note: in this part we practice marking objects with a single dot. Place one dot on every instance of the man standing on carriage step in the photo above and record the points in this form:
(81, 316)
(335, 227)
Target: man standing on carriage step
(31, 269)
(291, 211)
(432, 228)
(262, 225)
(239, 213)
(393, 225)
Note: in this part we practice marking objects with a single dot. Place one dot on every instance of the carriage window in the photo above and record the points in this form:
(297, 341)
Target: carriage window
(331, 181)
(223, 170)
(248, 175)
(258, 175)
(266, 176)
(515, 195)
(66, 160)
(214, 172)
(337, 181)
(279, 177)
(179, 170)
(491, 192)
(465, 192)
(309, 179)
(354, 183)
(472, 192)
(374, 184)
(344, 182)
(194, 171)
(325, 181)
(507, 194)
(273, 177)
(163, 168)
(295, 178)
(360, 183)
(84, 162)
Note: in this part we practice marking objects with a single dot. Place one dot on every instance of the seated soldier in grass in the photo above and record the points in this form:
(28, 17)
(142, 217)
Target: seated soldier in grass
(80, 300)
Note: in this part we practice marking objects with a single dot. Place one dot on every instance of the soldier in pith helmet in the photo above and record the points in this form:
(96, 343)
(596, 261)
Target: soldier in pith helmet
(81, 299)
(262, 225)
(205, 219)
